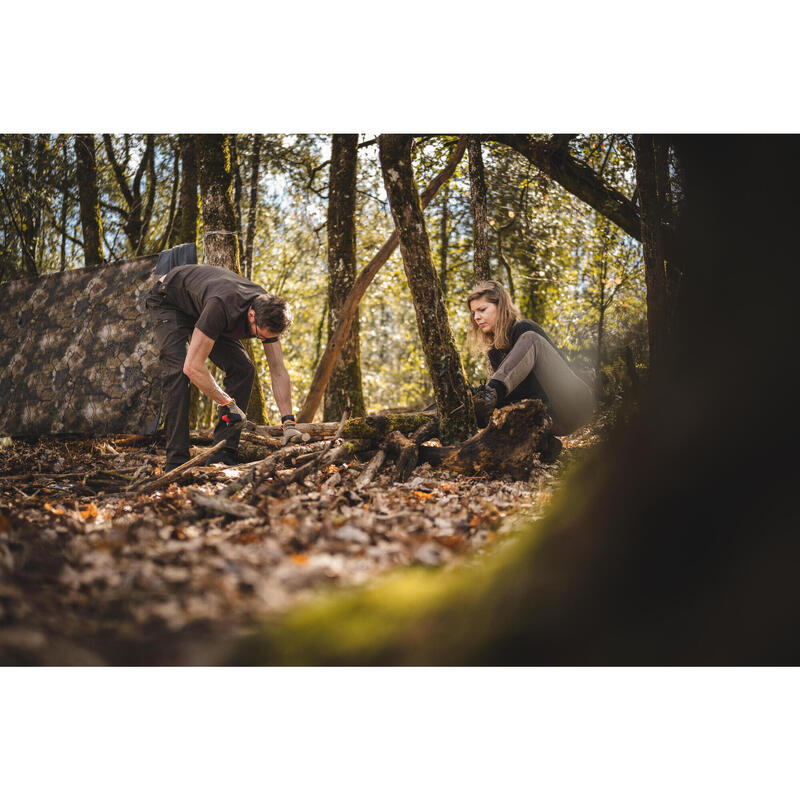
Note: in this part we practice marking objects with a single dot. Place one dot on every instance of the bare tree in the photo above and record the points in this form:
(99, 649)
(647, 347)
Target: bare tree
(219, 226)
(654, 249)
(91, 220)
(252, 213)
(185, 232)
(453, 399)
(344, 388)
(337, 340)
(138, 211)
(480, 217)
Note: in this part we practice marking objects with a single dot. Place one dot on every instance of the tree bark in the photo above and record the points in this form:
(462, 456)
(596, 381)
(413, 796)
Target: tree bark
(219, 231)
(344, 387)
(91, 221)
(252, 214)
(237, 192)
(506, 446)
(336, 341)
(444, 239)
(654, 254)
(451, 392)
(480, 217)
(185, 232)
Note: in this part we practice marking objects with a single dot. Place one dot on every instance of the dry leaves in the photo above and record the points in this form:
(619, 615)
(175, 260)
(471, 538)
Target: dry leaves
(121, 579)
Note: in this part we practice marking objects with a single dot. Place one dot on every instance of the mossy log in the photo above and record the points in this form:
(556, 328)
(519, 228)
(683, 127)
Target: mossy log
(506, 446)
(373, 427)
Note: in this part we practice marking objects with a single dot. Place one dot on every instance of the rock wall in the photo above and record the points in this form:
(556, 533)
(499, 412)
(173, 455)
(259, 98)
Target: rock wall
(76, 352)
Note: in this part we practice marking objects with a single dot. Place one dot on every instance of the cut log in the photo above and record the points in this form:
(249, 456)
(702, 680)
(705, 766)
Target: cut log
(506, 446)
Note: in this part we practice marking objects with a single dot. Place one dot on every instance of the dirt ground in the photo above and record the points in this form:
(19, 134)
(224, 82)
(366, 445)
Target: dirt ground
(91, 573)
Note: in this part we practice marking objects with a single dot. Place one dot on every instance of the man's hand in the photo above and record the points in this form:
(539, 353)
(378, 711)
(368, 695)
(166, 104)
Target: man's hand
(231, 415)
(290, 432)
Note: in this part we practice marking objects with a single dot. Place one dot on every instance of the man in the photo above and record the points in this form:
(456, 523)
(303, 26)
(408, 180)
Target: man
(216, 308)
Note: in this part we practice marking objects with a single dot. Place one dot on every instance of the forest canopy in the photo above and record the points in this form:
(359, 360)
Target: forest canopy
(566, 265)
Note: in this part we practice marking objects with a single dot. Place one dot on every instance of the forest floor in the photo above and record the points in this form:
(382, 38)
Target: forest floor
(90, 574)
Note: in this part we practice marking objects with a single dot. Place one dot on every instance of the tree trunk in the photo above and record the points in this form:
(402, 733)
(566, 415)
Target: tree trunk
(480, 217)
(452, 395)
(654, 255)
(91, 221)
(219, 230)
(444, 239)
(185, 232)
(336, 341)
(237, 193)
(664, 191)
(252, 214)
(64, 202)
(344, 388)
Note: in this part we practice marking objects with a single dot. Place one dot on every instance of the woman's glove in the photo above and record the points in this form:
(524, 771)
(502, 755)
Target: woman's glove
(484, 399)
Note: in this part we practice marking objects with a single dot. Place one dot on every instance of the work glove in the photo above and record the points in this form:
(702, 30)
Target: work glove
(484, 399)
(231, 415)
(290, 432)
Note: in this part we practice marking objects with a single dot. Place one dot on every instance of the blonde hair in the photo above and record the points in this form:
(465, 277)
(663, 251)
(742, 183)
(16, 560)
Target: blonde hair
(507, 315)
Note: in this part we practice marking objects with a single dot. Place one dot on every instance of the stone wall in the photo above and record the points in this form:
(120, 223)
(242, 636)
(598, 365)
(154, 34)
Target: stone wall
(77, 354)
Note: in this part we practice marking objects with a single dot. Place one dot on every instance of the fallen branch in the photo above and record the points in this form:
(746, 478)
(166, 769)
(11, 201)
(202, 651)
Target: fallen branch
(169, 477)
(372, 469)
(221, 505)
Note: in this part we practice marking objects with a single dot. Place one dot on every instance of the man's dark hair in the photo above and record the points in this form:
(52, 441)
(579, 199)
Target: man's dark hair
(272, 312)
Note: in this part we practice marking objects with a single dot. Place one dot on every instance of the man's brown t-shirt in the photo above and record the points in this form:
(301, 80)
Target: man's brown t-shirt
(216, 298)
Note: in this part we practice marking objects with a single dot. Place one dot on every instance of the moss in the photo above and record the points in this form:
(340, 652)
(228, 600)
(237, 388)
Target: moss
(378, 426)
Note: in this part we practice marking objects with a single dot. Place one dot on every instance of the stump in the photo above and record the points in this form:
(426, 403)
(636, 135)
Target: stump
(506, 446)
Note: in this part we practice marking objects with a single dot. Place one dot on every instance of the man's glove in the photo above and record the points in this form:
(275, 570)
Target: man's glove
(484, 399)
(290, 432)
(231, 415)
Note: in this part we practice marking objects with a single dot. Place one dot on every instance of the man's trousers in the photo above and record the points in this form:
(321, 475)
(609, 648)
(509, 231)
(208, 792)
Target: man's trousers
(173, 329)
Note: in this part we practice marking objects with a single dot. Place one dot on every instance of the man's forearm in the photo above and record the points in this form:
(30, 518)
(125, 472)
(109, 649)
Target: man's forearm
(204, 381)
(282, 392)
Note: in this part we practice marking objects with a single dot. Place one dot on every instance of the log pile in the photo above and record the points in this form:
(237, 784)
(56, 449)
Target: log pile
(506, 447)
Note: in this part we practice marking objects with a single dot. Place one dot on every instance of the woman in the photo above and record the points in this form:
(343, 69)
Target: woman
(525, 364)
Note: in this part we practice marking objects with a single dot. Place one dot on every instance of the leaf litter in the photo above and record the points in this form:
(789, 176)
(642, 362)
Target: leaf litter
(93, 574)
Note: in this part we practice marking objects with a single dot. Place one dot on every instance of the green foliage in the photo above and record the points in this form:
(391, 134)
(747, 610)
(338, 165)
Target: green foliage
(566, 265)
